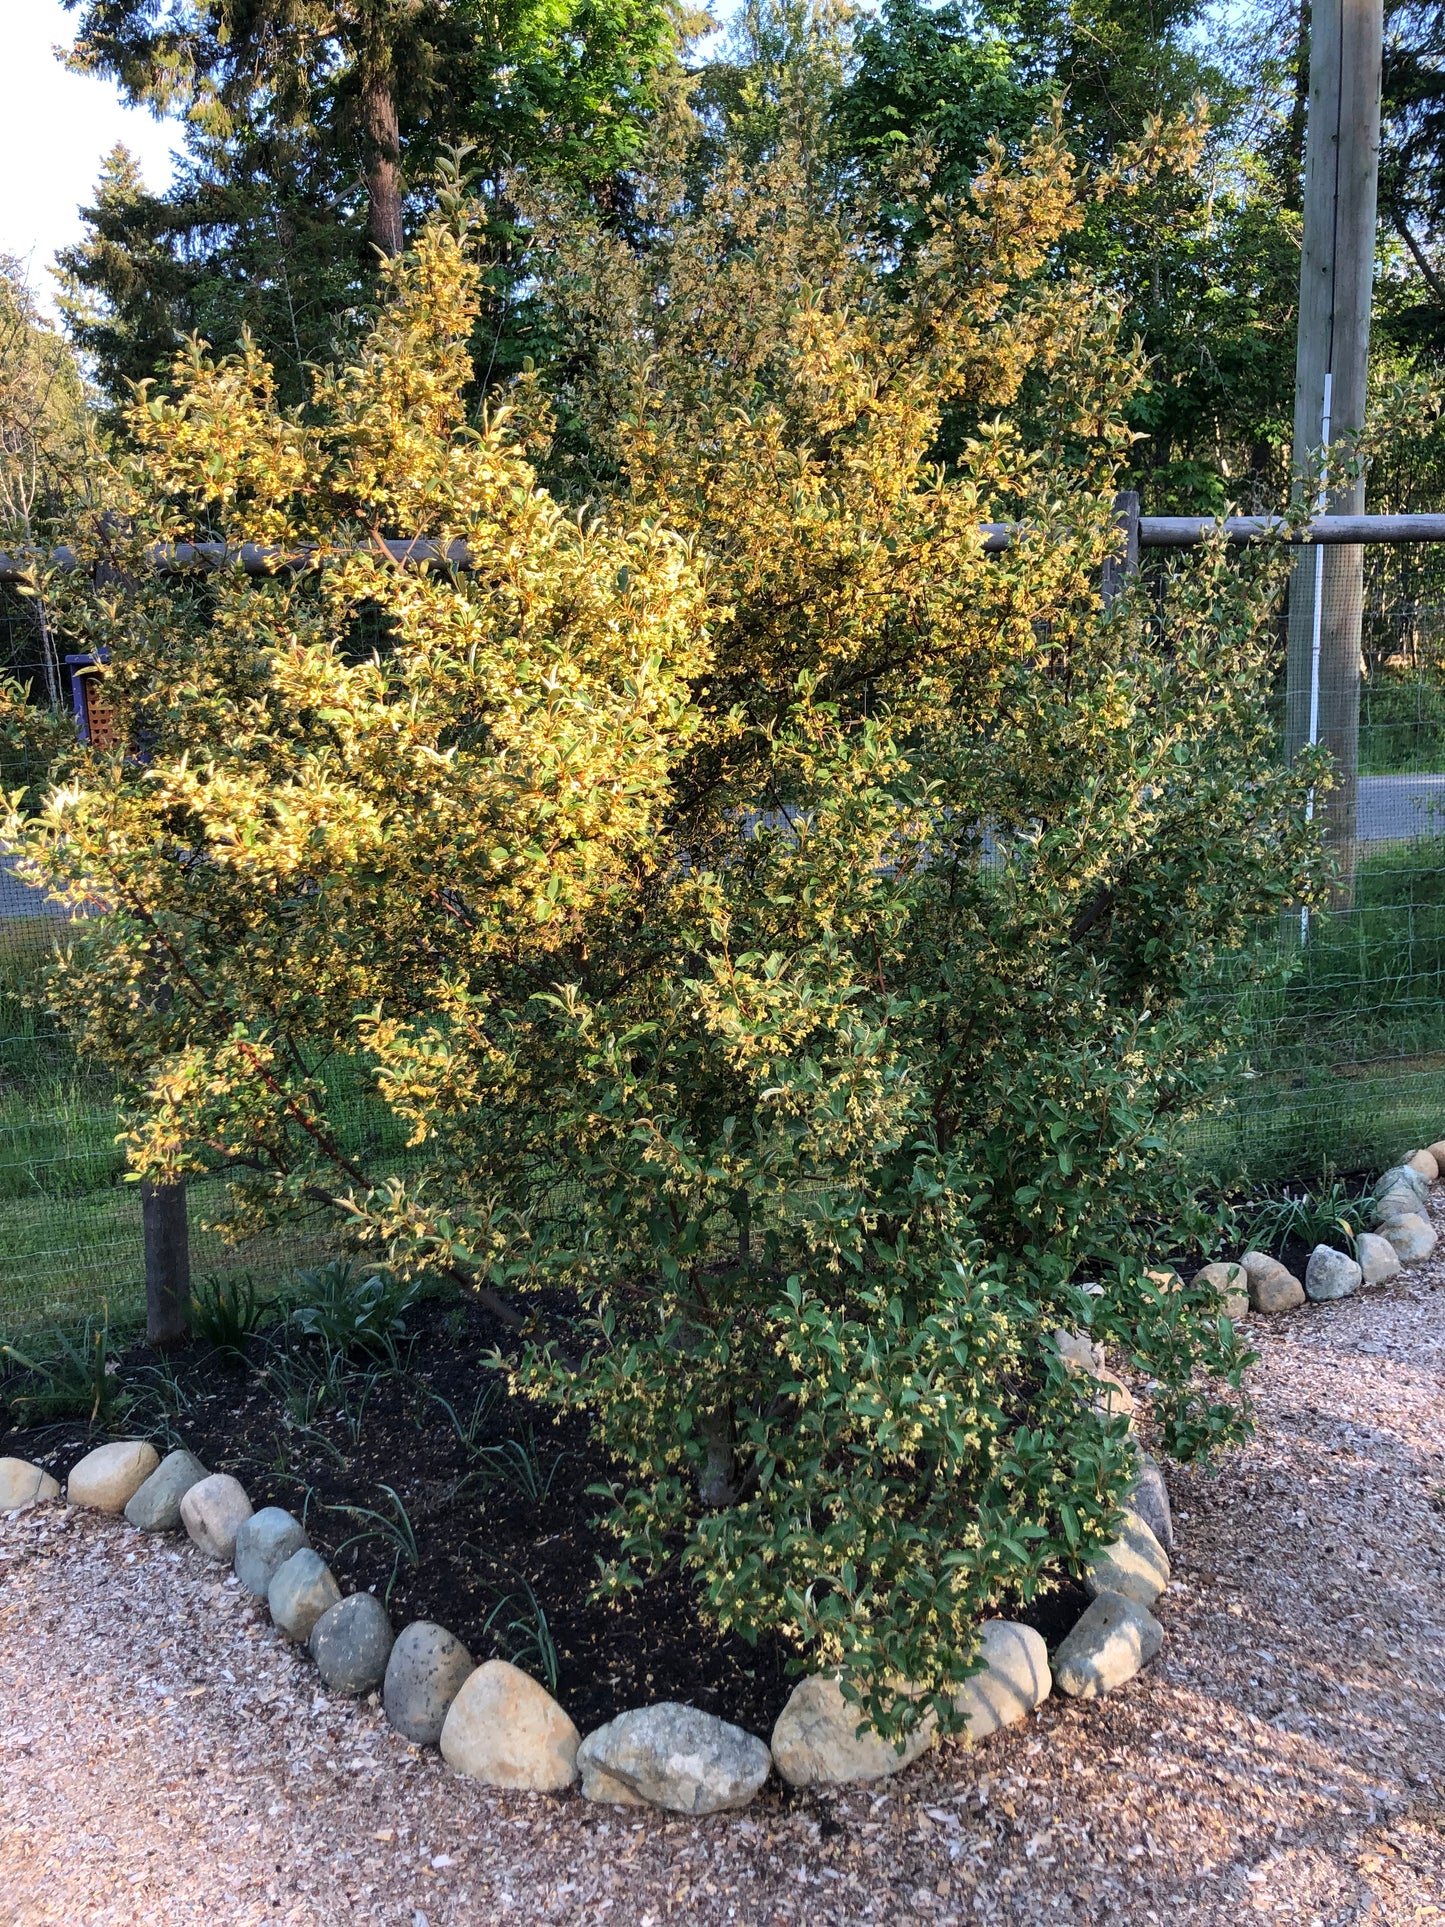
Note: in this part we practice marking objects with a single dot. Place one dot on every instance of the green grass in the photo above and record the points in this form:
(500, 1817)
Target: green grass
(1402, 726)
(1348, 1055)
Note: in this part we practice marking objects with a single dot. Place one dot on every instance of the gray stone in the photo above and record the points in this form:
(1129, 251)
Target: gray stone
(1231, 1283)
(1397, 1204)
(156, 1507)
(507, 1731)
(1149, 1497)
(427, 1669)
(1402, 1174)
(351, 1643)
(300, 1592)
(1271, 1287)
(1113, 1640)
(675, 1757)
(107, 1479)
(212, 1512)
(1413, 1239)
(264, 1543)
(23, 1484)
(1135, 1564)
(1330, 1274)
(1378, 1258)
(1015, 1678)
(816, 1741)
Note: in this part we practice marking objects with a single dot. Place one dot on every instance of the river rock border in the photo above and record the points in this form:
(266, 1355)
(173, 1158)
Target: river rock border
(496, 1724)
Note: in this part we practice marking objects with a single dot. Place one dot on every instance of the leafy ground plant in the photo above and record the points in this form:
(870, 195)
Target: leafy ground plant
(1330, 1216)
(350, 1308)
(226, 1312)
(71, 1376)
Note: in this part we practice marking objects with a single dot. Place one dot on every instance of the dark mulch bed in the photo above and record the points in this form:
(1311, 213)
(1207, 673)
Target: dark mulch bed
(481, 1538)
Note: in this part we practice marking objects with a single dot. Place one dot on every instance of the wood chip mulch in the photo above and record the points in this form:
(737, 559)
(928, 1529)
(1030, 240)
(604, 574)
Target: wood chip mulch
(165, 1758)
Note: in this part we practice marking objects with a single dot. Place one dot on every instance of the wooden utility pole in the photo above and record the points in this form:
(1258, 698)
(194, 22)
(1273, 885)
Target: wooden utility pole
(1337, 268)
(165, 1229)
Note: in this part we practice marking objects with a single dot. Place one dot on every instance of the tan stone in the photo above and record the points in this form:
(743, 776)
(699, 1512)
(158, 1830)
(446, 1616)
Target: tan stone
(213, 1512)
(1231, 1282)
(1079, 1352)
(1135, 1565)
(1377, 1257)
(505, 1730)
(1115, 1637)
(1271, 1287)
(1166, 1280)
(23, 1484)
(1015, 1678)
(816, 1740)
(1437, 1151)
(108, 1478)
(1113, 1398)
(1425, 1163)
(1413, 1237)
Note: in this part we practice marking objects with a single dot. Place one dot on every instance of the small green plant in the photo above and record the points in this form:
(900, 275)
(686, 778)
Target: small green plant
(393, 1528)
(352, 1313)
(469, 1429)
(518, 1463)
(526, 1637)
(227, 1312)
(74, 1377)
(1331, 1217)
(161, 1402)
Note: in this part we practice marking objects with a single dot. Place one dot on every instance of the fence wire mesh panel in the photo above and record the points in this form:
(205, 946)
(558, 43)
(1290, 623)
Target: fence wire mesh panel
(1346, 1046)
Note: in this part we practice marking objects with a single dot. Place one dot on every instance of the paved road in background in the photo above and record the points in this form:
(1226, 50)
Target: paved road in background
(1398, 806)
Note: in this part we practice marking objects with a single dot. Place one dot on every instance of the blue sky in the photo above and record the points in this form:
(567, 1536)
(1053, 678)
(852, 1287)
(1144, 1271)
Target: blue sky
(55, 128)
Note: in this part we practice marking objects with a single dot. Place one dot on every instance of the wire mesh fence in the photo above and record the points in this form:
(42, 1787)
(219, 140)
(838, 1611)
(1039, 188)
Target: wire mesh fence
(1347, 1047)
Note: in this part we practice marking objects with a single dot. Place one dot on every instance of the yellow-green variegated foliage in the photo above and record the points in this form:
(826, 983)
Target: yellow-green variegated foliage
(743, 902)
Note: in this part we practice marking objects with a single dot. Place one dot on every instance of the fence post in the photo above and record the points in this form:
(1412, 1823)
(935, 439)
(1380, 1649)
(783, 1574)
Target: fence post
(168, 1263)
(1121, 566)
(1337, 267)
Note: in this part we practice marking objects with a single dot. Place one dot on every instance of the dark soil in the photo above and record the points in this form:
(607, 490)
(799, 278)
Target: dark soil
(482, 1540)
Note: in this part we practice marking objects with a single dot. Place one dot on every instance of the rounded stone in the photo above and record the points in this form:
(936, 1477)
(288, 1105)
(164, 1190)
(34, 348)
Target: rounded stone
(23, 1484)
(212, 1512)
(1398, 1203)
(351, 1643)
(1135, 1564)
(675, 1757)
(1437, 1151)
(1401, 1174)
(1271, 1287)
(1231, 1285)
(1148, 1496)
(1424, 1164)
(156, 1507)
(427, 1669)
(1377, 1257)
(108, 1478)
(301, 1590)
(1413, 1238)
(1108, 1645)
(815, 1742)
(507, 1731)
(1330, 1274)
(264, 1543)
(1015, 1678)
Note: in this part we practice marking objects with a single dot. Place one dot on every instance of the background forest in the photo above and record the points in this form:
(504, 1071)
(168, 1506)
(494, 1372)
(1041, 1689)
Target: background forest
(310, 131)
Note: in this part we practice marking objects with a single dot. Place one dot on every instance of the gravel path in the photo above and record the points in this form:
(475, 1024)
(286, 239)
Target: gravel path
(164, 1758)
